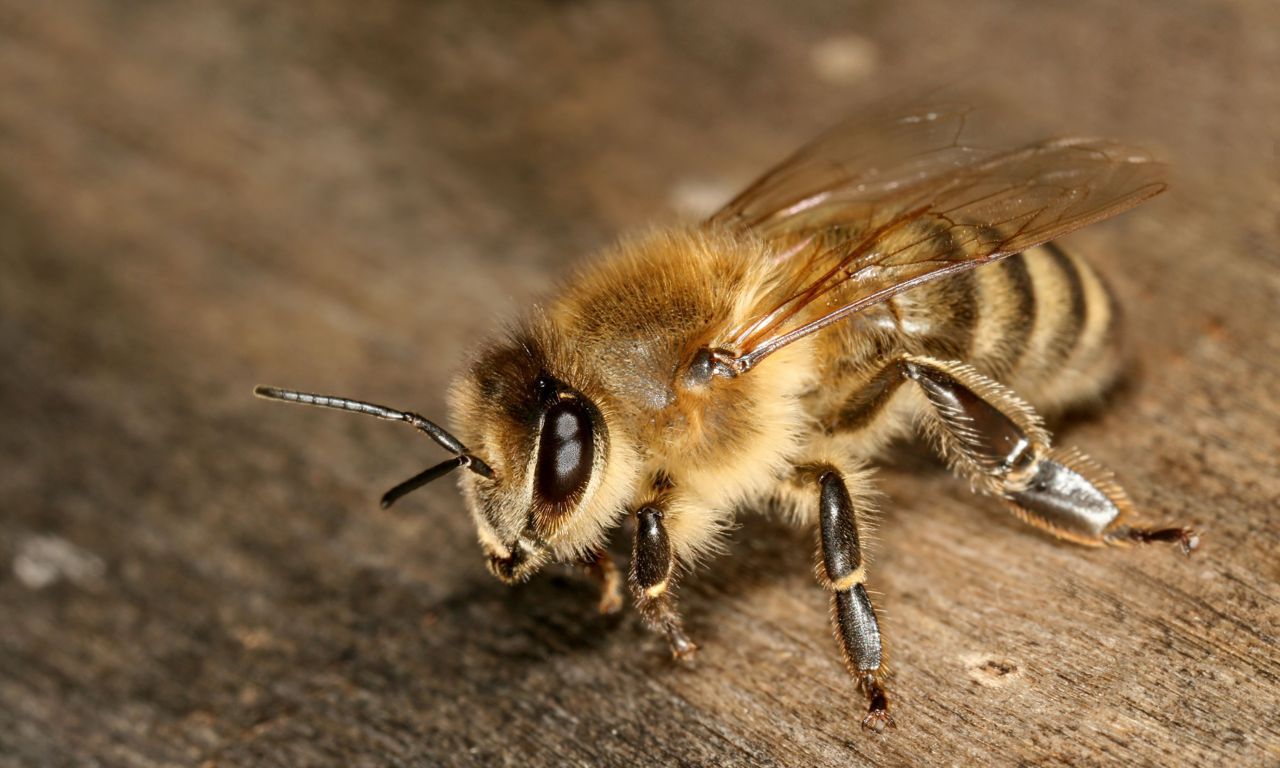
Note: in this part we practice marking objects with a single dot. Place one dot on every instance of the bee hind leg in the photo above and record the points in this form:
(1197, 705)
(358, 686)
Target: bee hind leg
(842, 571)
(651, 577)
(990, 435)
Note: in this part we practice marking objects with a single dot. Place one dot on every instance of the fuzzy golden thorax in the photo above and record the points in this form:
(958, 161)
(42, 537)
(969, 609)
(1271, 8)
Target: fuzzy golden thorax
(616, 342)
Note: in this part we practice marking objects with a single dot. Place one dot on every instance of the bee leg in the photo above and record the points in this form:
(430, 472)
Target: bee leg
(652, 571)
(601, 568)
(843, 573)
(992, 436)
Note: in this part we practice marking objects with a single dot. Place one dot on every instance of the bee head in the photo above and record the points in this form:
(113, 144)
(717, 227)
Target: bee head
(544, 477)
(558, 468)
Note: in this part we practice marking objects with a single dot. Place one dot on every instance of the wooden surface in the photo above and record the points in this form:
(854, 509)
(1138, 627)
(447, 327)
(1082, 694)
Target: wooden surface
(197, 197)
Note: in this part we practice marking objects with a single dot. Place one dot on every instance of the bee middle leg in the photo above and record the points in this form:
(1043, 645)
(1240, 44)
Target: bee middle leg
(842, 571)
(651, 577)
(989, 434)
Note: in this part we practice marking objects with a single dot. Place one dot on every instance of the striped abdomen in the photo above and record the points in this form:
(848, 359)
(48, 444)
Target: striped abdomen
(1072, 350)
(1041, 322)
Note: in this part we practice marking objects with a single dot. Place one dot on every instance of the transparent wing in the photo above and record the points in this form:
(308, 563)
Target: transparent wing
(863, 158)
(853, 238)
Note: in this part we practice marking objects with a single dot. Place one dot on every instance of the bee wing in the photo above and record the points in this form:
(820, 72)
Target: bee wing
(863, 158)
(856, 237)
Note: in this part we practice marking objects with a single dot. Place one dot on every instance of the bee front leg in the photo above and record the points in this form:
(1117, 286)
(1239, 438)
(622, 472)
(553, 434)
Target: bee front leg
(652, 573)
(600, 567)
(843, 573)
(989, 434)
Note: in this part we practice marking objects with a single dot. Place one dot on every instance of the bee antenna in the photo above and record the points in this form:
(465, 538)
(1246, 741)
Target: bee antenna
(453, 445)
(424, 477)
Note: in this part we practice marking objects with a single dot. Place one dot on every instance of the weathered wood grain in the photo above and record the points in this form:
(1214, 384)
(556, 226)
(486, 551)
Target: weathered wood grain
(198, 197)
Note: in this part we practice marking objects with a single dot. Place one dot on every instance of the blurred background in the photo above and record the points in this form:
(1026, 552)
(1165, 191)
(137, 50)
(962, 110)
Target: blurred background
(200, 197)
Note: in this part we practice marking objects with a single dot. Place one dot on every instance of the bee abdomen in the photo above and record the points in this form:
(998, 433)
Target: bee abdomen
(1046, 327)
(1041, 322)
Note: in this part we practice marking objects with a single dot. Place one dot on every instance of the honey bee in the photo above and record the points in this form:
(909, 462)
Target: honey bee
(886, 280)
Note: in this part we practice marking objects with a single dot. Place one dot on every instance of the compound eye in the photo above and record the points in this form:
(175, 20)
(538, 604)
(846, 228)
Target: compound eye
(565, 451)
